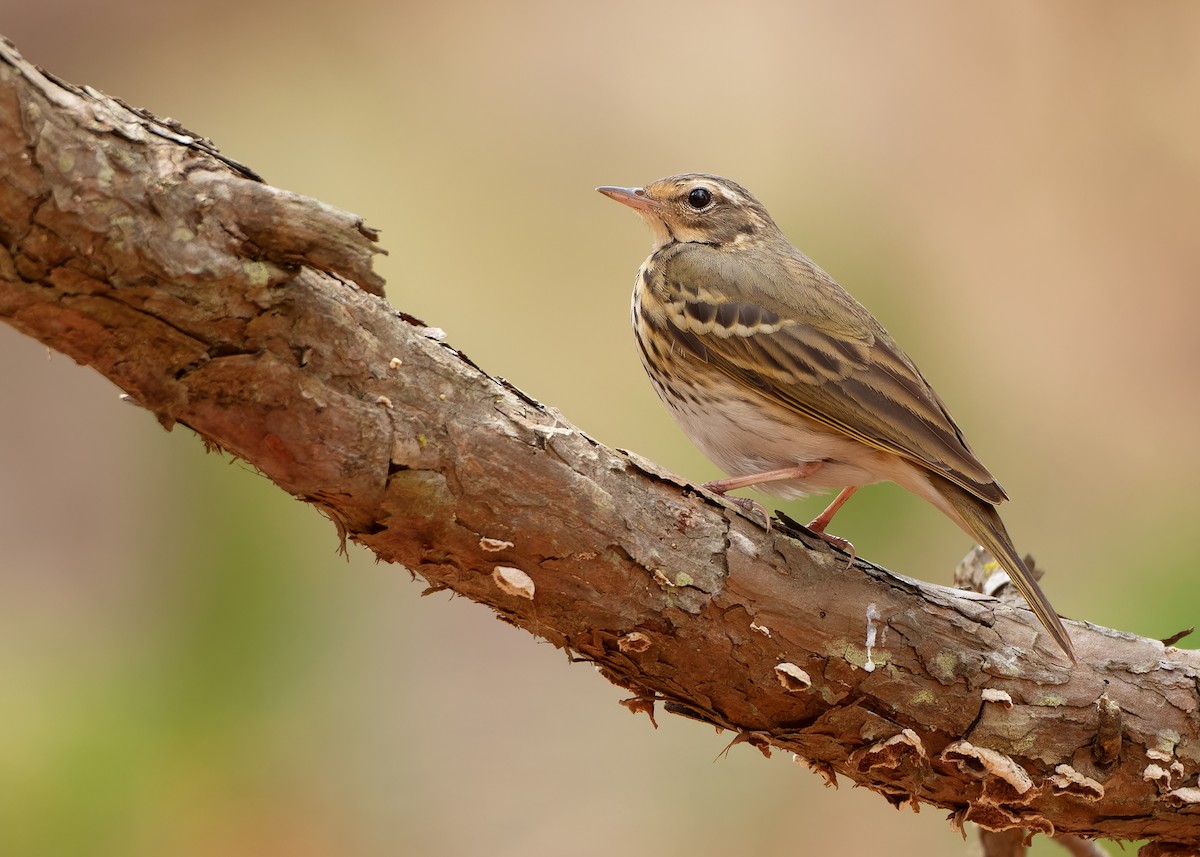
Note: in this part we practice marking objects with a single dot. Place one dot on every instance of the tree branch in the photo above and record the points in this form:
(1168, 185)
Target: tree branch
(252, 316)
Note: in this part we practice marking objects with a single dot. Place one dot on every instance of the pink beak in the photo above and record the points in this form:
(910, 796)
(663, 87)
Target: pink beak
(634, 197)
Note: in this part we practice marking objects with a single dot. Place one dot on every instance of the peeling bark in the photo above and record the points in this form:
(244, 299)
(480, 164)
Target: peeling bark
(252, 316)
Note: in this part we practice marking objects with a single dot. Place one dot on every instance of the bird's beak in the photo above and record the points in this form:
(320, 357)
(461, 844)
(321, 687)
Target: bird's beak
(634, 197)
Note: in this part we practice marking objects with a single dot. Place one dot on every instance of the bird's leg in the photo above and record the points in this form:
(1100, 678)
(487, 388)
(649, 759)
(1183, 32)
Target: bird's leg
(783, 474)
(786, 474)
(750, 507)
(819, 523)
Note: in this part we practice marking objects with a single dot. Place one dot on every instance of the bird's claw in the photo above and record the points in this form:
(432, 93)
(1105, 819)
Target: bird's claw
(750, 507)
(838, 542)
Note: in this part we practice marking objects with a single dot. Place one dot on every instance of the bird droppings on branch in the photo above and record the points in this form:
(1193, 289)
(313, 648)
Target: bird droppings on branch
(872, 617)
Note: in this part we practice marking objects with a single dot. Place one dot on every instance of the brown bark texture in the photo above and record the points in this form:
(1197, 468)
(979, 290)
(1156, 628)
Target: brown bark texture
(252, 316)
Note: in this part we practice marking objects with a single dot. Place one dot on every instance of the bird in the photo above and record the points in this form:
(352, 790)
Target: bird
(788, 383)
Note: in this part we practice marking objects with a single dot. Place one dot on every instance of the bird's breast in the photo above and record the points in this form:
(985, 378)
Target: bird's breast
(741, 430)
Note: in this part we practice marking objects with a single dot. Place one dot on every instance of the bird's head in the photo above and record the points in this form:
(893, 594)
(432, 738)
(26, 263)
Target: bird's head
(697, 207)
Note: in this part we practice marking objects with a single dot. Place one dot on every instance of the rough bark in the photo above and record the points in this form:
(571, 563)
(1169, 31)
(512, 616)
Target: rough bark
(251, 315)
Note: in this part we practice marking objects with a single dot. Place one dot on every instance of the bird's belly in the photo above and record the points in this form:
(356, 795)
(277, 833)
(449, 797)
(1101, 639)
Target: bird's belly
(744, 438)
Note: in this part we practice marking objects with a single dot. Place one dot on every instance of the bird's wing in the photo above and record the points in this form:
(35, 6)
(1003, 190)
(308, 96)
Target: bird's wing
(784, 328)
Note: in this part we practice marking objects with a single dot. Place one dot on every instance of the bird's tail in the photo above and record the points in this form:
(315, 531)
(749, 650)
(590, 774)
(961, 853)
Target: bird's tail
(981, 521)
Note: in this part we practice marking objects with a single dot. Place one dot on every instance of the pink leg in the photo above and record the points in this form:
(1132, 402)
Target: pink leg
(732, 483)
(819, 523)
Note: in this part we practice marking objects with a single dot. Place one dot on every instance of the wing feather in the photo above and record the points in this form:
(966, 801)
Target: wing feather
(798, 337)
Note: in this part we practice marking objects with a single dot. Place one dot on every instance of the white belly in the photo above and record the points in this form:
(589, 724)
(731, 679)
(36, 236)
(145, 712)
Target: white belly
(744, 439)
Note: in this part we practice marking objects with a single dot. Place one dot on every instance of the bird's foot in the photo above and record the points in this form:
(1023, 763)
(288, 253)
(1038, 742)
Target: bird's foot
(838, 542)
(750, 507)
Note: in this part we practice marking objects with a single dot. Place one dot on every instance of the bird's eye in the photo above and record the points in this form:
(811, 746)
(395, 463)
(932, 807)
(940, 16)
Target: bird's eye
(699, 198)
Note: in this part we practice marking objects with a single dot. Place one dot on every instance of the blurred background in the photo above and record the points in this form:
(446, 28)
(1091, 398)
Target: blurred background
(188, 668)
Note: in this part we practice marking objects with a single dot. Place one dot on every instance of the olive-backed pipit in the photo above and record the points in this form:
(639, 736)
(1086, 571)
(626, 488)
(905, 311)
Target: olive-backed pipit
(784, 380)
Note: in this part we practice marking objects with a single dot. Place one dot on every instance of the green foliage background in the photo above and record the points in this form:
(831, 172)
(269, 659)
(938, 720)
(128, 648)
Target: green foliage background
(187, 668)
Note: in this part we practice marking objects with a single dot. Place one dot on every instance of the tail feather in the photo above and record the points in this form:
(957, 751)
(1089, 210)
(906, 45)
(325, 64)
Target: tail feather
(981, 521)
